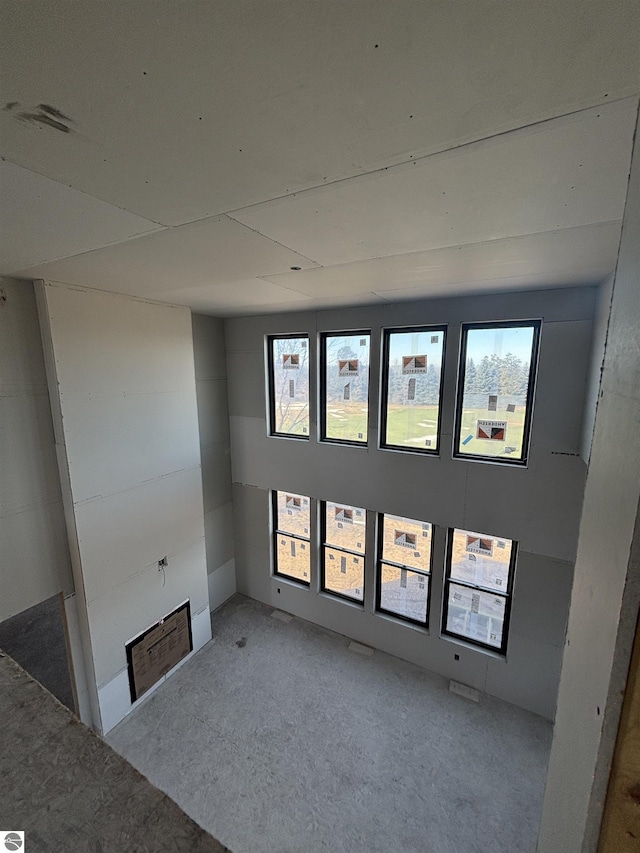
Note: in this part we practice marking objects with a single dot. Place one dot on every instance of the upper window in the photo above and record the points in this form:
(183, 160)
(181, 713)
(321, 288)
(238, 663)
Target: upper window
(478, 586)
(404, 567)
(345, 387)
(412, 386)
(289, 385)
(344, 530)
(495, 390)
(291, 536)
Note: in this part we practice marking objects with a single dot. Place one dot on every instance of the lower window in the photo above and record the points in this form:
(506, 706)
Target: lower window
(404, 567)
(291, 536)
(478, 588)
(344, 531)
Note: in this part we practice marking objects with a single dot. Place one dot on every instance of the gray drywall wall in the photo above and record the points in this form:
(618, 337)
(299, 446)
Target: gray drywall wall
(213, 424)
(36, 639)
(528, 677)
(539, 506)
(606, 591)
(130, 457)
(34, 552)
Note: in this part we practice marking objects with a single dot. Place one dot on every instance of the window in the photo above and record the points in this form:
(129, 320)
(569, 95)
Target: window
(404, 567)
(495, 390)
(478, 586)
(288, 357)
(344, 530)
(345, 387)
(291, 536)
(412, 386)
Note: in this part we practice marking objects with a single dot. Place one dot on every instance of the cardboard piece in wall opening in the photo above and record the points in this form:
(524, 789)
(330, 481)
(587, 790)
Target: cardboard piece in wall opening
(158, 649)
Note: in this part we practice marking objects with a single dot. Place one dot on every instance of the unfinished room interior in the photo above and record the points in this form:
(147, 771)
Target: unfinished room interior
(319, 426)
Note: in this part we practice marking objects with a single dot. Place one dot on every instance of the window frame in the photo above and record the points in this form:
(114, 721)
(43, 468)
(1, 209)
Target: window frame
(322, 386)
(508, 595)
(380, 562)
(271, 391)
(275, 532)
(531, 388)
(384, 388)
(324, 545)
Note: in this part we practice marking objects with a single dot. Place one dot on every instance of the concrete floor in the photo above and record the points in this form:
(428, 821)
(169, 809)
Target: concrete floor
(66, 789)
(276, 738)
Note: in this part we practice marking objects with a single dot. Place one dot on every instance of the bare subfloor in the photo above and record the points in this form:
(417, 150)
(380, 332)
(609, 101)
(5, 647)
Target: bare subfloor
(277, 738)
(66, 789)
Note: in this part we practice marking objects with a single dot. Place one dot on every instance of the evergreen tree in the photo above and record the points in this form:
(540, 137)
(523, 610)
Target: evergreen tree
(471, 377)
(524, 377)
(431, 386)
(510, 374)
(488, 375)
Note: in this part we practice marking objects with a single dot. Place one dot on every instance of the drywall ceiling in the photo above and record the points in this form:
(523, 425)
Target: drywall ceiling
(196, 152)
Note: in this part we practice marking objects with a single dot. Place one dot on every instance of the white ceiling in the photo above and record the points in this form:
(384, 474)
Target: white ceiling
(194, 152)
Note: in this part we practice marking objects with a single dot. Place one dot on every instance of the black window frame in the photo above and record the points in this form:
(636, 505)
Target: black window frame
(323, 388)
(531, 388)
(275, 530)
(325, 545)
(271, 391)
(380, 562)
(508, 595)
(384, 388)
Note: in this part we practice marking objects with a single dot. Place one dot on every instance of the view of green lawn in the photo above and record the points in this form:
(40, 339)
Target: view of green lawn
(292, 419)
(412, 426)
(406, 426)
(484, 447)
(347, 421)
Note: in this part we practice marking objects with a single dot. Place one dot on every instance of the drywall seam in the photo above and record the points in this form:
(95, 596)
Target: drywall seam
(478, 142)
(601, 321)
(83, 289)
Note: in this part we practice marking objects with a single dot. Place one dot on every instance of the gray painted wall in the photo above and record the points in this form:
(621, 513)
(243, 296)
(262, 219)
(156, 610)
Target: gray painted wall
(126, 424)
(539, 506)
(606, 593)
(213, 423)
(34, 552)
